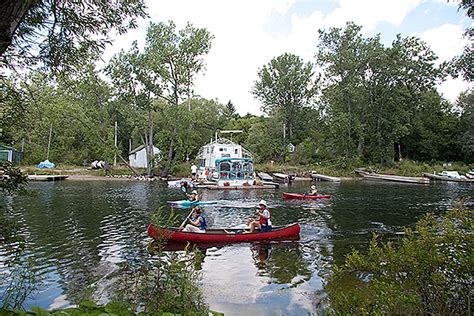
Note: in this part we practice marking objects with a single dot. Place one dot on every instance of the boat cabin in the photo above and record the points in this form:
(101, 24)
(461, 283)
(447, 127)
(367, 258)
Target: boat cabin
(235, 169)
(219, 149)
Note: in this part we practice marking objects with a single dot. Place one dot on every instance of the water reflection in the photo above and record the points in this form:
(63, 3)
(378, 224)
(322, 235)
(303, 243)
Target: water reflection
(78, 232)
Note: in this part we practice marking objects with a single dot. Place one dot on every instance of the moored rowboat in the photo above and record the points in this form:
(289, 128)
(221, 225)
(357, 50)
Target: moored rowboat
(288, 195)
(228, 235)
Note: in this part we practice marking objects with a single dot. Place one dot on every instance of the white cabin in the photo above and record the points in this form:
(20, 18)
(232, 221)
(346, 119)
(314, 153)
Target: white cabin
(138, 157)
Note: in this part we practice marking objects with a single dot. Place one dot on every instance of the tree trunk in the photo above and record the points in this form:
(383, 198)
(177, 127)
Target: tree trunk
(12, 13)
(150, 152)
(171, 155)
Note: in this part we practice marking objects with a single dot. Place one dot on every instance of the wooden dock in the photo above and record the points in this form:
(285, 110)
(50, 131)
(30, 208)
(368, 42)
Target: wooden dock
(46, 177)
(322, 177)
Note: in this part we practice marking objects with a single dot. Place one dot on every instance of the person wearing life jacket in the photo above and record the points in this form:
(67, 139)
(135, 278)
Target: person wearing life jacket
(198, 223)
(313, 190)
(264, 221)
(193, 197)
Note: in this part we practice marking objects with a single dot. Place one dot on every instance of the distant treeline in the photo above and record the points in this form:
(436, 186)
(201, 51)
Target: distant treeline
(357, 101)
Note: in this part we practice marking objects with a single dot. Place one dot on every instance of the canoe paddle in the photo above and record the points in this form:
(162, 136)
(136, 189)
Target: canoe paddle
(189, 215)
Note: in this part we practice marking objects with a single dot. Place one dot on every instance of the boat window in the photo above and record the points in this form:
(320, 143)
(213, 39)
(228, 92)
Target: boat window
(225, 166)
(236, 151)
(221, 149)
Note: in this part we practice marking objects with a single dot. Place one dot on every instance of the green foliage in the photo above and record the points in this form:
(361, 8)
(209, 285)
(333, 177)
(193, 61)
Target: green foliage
(157, 79)
(62, 34)
(264, 140)
(428, 272)
(12, 180)
(466, 129)
(371, 92)
(285, 86)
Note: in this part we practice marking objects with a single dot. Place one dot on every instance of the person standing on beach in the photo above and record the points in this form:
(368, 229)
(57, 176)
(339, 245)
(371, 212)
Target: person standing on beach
(194, 172)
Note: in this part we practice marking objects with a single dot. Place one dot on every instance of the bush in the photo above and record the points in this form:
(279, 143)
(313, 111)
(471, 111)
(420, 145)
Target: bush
(430, 272)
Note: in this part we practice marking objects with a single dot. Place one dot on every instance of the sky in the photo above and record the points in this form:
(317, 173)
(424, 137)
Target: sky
(249, 33)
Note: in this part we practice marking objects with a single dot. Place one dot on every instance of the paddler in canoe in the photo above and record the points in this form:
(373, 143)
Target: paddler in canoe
(193, 197)
(197, 222)
(264, 220)
(312, 191)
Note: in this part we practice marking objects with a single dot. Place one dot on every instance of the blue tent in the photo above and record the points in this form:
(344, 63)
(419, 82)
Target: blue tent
(45, 164)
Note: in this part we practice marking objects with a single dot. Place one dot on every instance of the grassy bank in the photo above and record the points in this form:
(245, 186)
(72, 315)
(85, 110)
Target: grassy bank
(338, 169)
(344, 169)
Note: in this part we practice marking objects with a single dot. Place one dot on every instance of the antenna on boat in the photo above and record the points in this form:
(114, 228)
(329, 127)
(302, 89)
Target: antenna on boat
(231, 132)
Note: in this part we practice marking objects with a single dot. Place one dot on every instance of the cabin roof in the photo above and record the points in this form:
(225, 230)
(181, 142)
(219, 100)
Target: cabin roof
(5, 147)
(224, 141)
(233, 159)
(140, 148)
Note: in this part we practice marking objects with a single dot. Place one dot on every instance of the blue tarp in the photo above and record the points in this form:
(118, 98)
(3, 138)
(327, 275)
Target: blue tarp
(45, 164)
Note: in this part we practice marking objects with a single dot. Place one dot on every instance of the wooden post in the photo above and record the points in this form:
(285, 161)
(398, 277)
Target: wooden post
(115, 144)
(49, 141)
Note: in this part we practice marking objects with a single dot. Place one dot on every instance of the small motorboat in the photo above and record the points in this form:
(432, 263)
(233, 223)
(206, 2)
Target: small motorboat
(288, 195)
(227, 235)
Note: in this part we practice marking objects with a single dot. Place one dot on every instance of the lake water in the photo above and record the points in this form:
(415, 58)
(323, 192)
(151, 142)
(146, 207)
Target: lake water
(78, 232)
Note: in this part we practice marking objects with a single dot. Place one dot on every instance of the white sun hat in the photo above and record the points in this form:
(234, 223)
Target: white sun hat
(262, 202)
(194, 192)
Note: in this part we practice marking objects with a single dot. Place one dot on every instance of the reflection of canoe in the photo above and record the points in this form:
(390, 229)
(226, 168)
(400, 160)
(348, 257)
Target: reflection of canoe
(187, 203)
(288, 195)
(228, 235)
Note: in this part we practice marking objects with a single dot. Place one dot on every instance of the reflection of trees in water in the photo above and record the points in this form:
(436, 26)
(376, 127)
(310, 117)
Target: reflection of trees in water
(281, 261)
(73, 241)
(23, 280)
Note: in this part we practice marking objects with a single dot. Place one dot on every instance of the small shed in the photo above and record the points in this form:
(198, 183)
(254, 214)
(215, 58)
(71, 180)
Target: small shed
(10, 154)
(138, 157)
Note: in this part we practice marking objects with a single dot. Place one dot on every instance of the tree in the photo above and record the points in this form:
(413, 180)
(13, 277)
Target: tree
(343, 56)
(285, 86)
(231, 112)
(371, 92)
(61, 33)
(200, 124)
(433, 132)
(164, 70)
(75, 106)
(466, 128)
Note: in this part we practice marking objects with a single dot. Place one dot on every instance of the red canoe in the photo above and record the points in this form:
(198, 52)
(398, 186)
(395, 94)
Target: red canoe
(288, 195)
(228, 235)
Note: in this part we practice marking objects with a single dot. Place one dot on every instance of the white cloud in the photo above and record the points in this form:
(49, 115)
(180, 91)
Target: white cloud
(368, 13)
(451, 88)
(447, 42)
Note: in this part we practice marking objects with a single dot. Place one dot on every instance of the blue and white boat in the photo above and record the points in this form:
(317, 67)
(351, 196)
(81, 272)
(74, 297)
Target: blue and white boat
(188, 203)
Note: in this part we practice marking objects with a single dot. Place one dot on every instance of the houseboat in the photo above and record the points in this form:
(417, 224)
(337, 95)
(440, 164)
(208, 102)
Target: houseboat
(224, 164)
